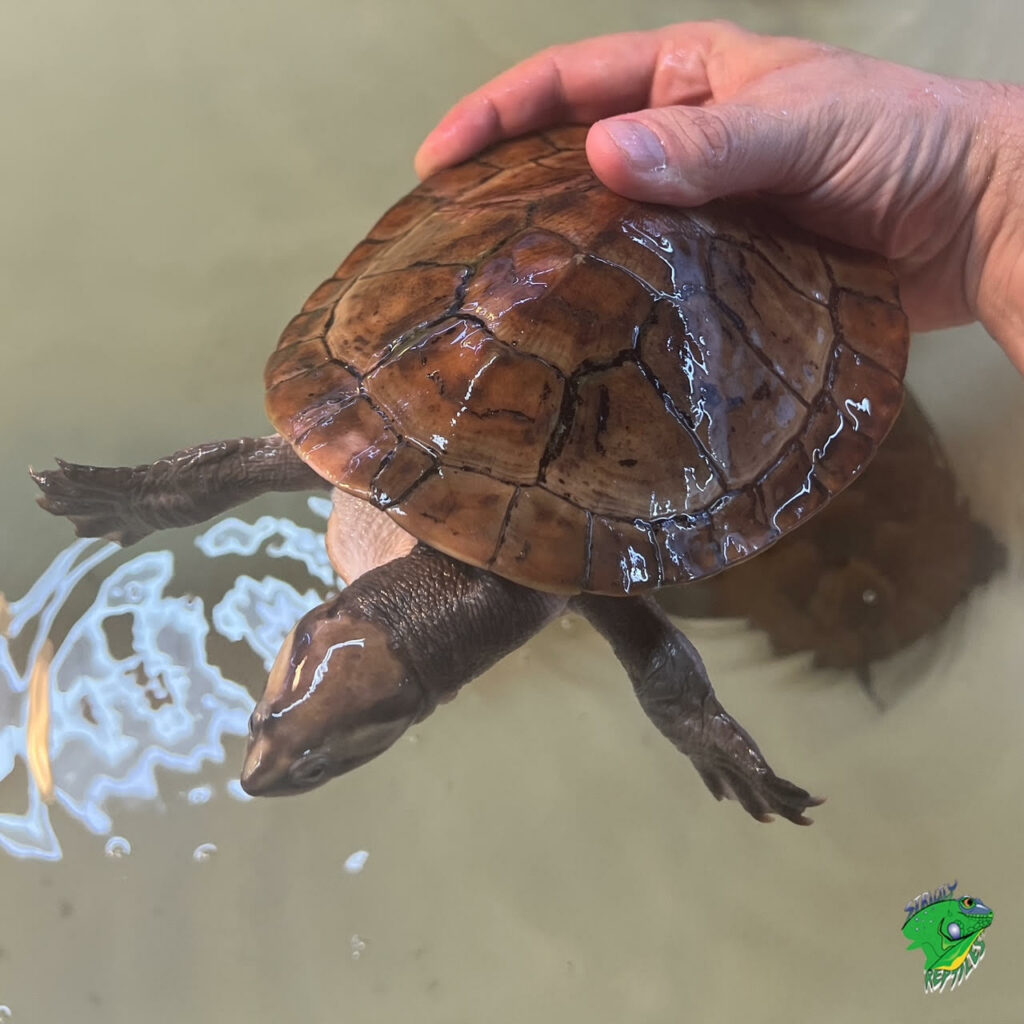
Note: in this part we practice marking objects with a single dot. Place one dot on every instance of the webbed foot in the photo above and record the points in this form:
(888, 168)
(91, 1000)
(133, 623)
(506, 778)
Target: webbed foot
(731, 765)
(125, 503)
(673, 688)
(98, 500)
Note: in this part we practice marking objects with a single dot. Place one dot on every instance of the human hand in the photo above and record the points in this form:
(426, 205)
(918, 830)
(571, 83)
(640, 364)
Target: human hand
(922, 168)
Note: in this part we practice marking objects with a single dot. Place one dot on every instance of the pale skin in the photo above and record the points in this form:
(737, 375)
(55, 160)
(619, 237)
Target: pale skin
(922, 168)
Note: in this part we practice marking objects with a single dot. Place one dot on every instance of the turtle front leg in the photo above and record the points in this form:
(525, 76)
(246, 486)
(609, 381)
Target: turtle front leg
(125, 503)
(672, 685)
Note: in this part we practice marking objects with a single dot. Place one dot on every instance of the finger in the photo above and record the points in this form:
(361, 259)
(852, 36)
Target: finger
(582, 82)
(685, 156)
(579, 83)
(567, 84)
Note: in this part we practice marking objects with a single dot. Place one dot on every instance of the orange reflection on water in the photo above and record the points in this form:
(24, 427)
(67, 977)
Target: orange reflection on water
(37, 733)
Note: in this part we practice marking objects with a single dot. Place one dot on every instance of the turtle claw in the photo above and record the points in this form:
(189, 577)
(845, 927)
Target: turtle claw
(674, 690)
(98, 500)
(677, 696)
(126, 503)
(731, 765)
(762, 797)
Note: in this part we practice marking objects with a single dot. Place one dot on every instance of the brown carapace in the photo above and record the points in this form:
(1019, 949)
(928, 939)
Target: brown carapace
(581, 392)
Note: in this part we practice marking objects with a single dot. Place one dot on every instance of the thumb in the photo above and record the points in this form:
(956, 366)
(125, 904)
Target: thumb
(684, 156)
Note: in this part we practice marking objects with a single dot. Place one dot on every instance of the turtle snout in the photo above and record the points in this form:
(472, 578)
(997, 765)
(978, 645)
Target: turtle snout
(260, 773)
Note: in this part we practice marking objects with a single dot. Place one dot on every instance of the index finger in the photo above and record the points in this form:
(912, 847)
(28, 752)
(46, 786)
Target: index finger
(577, 83)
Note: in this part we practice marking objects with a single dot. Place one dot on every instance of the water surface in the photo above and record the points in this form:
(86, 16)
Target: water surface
(176, 179)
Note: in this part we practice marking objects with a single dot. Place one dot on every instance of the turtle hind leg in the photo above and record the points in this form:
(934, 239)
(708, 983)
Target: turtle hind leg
(673, 688)
(126, 503)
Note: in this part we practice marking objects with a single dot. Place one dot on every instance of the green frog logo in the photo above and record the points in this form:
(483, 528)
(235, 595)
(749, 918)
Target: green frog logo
(950, 931)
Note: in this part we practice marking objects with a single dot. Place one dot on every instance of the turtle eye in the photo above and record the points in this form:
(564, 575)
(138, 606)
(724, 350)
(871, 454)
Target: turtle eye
(953, 929)
(308, 771)
(257, 719)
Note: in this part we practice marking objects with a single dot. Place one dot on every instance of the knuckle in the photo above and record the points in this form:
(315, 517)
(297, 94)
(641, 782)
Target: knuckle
(700, 134)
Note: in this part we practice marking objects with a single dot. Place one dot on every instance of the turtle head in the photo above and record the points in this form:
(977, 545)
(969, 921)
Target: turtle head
(336, 697)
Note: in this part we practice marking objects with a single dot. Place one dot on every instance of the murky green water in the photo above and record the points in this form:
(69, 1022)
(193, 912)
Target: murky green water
(175, 179)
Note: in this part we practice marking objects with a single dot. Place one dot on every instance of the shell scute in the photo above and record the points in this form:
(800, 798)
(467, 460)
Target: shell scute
(298, 399)
(543, 297)
(523, 183)
(457, 511)
(397, 222)
(794, 255)
(857, 271)
(583, 392)
(741, 526)
(574, 160)
(306, 326)
(519, 151)
(626, 455)
(457, 388)
(399, 473)
(872, 328)
(346, 441)
(738, 406)
(623, 557)
(358, 260)
(326, 295)
(544, 535)
(689, 549)
(454, 182)
(835, 448)
(795, 335)
(791, 491)
(586, 219)
(379, 312)
(298, 360)
(445, 240)
(870, 396)
(652, 238)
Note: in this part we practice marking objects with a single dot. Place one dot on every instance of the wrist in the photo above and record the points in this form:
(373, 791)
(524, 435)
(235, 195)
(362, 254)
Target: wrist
(996, 259)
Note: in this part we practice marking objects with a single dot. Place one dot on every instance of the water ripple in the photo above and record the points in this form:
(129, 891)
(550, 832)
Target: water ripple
(117, 716)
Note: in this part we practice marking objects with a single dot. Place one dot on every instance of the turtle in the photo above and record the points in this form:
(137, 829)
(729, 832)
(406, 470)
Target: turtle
(528, 396)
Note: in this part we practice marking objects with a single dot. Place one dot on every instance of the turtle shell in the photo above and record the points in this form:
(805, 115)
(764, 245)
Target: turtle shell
(581, 392)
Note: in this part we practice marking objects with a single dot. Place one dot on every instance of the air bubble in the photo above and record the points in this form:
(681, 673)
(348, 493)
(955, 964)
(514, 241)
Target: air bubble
(117, 847)
(356, 862)
(869, 596)
(358, 946)
(203, 852)
(200, 795)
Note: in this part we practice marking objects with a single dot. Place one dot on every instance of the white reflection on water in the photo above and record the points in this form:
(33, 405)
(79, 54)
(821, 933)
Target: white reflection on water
(115, 720)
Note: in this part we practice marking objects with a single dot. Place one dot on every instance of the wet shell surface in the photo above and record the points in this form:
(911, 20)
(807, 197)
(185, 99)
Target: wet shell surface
(581, 392)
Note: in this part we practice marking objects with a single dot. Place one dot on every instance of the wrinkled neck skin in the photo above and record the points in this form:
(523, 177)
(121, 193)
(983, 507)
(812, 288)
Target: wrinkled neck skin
(450, 621)
(356, 672)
